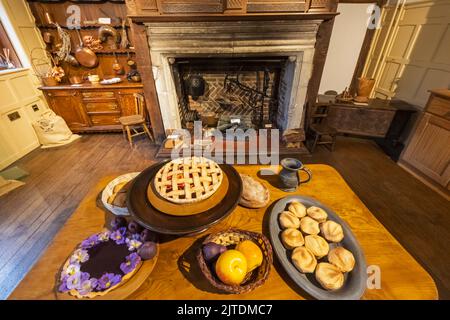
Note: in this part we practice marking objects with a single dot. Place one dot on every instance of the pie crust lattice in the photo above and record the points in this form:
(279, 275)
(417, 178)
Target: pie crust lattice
(188, 180)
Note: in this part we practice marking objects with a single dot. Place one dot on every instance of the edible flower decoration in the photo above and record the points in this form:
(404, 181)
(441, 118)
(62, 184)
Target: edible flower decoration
(133, 244)
(75, 281)
(87, 286)
(79, 256)
(119, 235)
(70, 270)
(90, 242)
(104, 236)
(131, 263)
(108, 280)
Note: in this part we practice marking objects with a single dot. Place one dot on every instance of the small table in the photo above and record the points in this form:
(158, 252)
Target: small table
(177, 275)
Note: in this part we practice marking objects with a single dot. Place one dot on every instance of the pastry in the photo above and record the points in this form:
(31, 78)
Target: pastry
(304, 260)
(254, 193)
(292, 238)
(342, 259)
(332, 231)
(297, 208)
(188, 180)
(119, 196)
(309, 225)
(317, 245)
(329, 276)
(289, 220)
(102, 262)
(317, 214)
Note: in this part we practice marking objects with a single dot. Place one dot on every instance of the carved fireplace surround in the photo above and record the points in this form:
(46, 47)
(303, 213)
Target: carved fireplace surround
(164, 30)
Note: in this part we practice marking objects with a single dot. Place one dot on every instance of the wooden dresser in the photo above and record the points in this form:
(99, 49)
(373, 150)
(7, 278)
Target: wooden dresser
(88, 108)
(427, 155)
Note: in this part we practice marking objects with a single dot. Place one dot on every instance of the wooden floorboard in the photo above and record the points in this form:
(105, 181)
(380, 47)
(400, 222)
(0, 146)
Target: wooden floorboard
(59, 178)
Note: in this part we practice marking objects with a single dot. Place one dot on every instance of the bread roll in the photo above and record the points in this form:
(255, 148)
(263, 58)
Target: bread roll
(304, 260)
(297, 208)
(317, 245)
(342, 259)
(288, 220)
(292, 238)
(309, 225)
(329, 276)
(317, 214)
(332, 231)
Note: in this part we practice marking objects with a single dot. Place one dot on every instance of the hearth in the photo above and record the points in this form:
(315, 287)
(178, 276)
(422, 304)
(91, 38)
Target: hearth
(231, 92)
(254, 72)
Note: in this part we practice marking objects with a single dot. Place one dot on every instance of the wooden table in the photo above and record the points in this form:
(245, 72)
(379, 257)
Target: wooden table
(177, 276)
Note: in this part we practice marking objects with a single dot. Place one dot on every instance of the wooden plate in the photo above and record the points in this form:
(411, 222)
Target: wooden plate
(125, 289)
(151, 218)
(186, 209)
(355, 280)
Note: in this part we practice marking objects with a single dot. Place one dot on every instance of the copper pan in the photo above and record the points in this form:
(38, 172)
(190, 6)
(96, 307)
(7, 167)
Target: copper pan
(85, 56)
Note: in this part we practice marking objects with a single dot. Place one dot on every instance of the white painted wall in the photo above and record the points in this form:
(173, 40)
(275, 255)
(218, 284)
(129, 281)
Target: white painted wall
(345, 44)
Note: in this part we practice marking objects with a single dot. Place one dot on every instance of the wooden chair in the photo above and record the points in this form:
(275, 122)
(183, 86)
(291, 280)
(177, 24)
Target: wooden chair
(322, 133)
(131, 124)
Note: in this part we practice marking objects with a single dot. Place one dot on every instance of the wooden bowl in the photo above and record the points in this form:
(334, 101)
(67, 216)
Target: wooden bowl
(230, 238)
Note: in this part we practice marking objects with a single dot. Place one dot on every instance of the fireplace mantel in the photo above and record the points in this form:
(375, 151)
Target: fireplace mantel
(143, 12)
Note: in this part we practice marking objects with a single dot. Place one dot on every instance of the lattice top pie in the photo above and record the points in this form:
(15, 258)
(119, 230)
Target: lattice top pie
(188, 180)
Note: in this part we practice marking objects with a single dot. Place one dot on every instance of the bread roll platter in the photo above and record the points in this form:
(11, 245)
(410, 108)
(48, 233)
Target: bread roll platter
(317, 249)
(166, 196)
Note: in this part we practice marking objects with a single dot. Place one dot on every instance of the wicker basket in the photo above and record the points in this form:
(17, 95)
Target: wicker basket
(232, 237)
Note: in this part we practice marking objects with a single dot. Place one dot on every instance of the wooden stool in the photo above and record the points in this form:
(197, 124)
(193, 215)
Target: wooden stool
(132, 123)
(322, 132)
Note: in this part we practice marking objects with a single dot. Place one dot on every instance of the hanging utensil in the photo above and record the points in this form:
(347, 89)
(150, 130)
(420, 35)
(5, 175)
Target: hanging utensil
(117, 67)
(85, 56)
(124, 43)
(64, 47)
(130, 62)
(72, 61)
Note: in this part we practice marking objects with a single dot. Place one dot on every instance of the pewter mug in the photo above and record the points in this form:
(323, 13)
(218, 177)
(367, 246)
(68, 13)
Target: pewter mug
(290, 174)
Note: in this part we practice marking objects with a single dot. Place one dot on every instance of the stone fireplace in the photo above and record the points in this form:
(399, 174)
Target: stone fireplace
(241, 62)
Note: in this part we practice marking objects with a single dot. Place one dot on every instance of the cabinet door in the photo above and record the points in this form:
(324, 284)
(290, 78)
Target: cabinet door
(68, 104)
(127, 102)
(429, 149)
(276, 5)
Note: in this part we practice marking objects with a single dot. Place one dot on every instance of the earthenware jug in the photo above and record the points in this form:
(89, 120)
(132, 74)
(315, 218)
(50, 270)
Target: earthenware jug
(290, 174)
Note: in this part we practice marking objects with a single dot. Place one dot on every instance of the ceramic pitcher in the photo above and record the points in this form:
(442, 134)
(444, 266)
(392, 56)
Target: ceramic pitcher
(290, 174)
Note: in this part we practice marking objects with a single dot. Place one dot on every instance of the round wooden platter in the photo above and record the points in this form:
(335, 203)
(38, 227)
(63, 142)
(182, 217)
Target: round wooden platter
(190, 209)
(125, 289)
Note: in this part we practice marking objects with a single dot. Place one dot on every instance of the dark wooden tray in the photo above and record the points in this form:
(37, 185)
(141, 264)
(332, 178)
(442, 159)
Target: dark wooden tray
(148, 216)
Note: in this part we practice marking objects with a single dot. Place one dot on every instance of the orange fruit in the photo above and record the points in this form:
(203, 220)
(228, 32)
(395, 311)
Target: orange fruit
(231, 267)
(252, 253)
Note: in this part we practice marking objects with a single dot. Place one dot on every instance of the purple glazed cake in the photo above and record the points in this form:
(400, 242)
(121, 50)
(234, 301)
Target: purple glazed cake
(106, 260)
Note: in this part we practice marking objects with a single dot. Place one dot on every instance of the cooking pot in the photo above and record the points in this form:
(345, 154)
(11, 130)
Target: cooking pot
(196, 86)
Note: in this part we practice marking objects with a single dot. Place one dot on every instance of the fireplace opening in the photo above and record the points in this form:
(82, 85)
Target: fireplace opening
(233, 93)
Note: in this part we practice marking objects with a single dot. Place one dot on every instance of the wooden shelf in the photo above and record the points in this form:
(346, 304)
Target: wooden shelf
(108, 51)
(84, 26)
